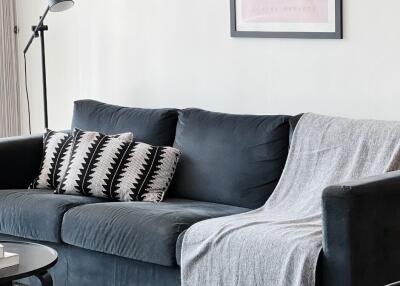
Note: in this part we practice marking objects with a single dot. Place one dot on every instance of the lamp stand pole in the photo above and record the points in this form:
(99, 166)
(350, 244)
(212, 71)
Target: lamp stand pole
(42, 29)
(38, 31)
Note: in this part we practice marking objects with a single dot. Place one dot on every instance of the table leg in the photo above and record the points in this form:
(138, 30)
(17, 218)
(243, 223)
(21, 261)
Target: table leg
(45, 279)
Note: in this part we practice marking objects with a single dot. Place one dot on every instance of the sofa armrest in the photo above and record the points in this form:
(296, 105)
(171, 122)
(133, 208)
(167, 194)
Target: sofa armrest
(361, 229)
(20, 159)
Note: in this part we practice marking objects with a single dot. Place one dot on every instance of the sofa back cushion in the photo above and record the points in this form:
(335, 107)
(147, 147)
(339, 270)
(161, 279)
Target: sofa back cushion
(229, 159)
(152, 126)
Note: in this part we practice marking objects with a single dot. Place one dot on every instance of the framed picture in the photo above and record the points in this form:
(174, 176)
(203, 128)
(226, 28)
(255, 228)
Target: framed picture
(314, 19)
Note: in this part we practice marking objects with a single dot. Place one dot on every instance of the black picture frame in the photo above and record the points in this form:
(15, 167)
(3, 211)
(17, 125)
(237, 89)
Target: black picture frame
(338, 34)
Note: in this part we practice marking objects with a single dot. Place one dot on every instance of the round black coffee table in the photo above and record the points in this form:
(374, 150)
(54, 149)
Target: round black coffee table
(34, 260)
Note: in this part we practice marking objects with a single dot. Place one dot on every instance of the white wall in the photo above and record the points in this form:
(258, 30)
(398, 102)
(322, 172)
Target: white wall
(179, 53)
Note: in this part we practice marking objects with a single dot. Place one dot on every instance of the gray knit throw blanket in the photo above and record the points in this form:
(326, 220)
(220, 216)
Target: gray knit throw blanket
(279, 244)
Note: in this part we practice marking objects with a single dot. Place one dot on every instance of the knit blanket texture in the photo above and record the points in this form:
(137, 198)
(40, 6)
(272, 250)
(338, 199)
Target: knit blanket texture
(279, 243)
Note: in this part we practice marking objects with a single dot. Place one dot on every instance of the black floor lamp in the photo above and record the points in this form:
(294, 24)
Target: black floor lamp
(38, 31)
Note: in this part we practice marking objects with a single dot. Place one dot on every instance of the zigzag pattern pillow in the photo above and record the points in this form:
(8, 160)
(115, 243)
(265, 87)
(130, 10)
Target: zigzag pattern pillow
(57, 147)
(56, 153)
(118, 170)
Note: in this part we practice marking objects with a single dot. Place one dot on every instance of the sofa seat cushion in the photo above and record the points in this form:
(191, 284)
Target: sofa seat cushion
(36, 214)
(142, 231)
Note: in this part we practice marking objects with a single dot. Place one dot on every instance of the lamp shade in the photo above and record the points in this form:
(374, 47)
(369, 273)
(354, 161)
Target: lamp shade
(60, 5)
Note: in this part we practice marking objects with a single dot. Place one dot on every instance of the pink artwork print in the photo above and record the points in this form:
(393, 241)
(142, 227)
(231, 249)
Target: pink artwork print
(285, 11)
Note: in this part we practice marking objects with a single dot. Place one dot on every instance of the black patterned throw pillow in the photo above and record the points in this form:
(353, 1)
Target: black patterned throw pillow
(56, 153)
(57, 147)
(118, 170)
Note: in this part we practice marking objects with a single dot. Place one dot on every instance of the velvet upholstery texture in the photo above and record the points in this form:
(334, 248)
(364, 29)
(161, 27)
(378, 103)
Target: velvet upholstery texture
(229, 159)
(151, 126)
(20, 159)
(142, 231)
(362, 232)
(36, 214)
(81, 267)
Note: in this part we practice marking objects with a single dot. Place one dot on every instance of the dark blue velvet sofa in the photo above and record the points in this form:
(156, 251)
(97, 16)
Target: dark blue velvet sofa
(230, 164)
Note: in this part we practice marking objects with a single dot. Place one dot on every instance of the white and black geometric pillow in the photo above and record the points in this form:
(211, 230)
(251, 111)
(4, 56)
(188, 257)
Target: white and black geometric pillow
(118, 170)
(57, 147)
(56, 153)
